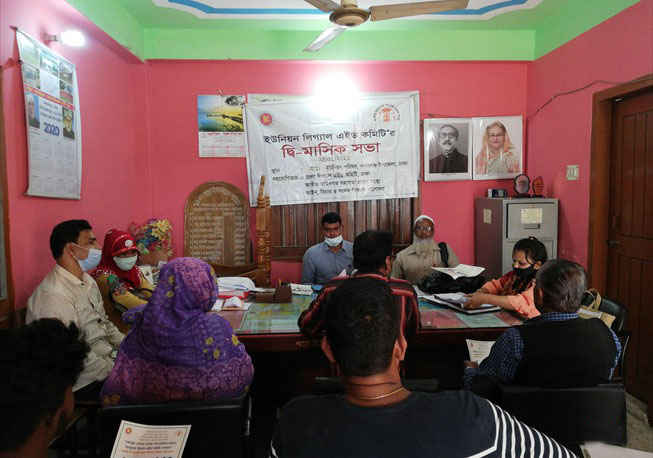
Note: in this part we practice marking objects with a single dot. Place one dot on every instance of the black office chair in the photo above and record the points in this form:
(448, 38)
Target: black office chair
(218, 428)
(618, 310)
(571, 416)
(331, 385)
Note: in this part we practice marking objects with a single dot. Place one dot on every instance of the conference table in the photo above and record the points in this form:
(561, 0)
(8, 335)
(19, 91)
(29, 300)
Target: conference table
(272, 327)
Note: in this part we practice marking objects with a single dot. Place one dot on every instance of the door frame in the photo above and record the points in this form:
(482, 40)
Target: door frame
(599, 214)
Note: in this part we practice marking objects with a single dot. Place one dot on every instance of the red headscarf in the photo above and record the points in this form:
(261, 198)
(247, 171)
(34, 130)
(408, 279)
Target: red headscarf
(117, 242)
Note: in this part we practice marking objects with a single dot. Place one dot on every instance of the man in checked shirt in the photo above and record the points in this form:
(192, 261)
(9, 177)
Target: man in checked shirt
(557, 349)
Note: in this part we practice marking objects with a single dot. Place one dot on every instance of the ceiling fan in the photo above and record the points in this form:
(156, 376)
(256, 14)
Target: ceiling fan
(348, 15)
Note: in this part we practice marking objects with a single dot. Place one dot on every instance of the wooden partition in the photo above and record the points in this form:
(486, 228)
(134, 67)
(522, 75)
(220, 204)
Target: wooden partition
(299, 225)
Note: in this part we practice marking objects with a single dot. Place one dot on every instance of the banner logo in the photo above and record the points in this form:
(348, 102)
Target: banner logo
(386, 113)
(265, 119)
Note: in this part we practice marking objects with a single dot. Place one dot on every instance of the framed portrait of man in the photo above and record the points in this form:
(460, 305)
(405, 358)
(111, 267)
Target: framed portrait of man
(497, 147)
(447, 149)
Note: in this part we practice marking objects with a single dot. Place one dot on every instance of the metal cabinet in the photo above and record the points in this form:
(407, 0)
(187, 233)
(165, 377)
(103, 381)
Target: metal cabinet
(499, 223)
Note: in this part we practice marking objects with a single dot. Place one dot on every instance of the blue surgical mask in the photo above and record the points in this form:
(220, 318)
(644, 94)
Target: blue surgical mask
(125, 263)
(92, 260)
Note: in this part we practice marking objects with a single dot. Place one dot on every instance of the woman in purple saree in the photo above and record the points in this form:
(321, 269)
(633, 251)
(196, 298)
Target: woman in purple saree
(175, 350)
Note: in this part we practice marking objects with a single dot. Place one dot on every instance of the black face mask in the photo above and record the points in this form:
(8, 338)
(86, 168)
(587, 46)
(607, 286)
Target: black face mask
(524, 273)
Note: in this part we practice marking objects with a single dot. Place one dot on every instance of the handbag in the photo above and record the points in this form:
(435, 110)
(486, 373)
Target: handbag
(589, 308)
(439, 283)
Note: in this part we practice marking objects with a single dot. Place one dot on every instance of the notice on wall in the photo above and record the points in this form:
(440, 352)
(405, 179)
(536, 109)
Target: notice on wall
(53, 122)
(368, 150)
(144, 441)
(220, 125)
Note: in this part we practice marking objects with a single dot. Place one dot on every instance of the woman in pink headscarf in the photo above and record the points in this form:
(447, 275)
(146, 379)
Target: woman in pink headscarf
(496, 156)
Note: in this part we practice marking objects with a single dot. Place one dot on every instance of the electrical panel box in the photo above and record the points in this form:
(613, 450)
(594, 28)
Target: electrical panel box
(499, 223)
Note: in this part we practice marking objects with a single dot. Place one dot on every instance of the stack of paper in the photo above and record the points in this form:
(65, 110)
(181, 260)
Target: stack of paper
(302, 290)
(461, 270)
(236, 283)
(233, 303)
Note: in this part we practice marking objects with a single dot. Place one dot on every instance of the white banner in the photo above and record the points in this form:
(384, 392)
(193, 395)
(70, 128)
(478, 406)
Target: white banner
(309, 157)
(54, 137)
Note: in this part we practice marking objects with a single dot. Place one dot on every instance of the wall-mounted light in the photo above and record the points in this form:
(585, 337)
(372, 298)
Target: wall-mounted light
(69, 37)
(336, 97)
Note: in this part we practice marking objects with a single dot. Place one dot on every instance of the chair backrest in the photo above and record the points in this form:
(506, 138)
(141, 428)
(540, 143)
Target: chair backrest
(615, 308)
(571, 416)
(218, 428)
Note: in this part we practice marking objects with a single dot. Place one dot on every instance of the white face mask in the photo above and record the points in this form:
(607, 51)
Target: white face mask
(92, 260)
(125, 263)
(334, 241)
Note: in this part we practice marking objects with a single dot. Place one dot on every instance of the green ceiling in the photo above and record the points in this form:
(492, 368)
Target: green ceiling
(152, 32)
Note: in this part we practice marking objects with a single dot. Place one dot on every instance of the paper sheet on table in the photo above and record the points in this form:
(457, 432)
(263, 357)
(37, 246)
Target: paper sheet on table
(233, 303)
(460, 298)
(479, 349)
(144, 441)
(238, 283)
(461, 270)
(598, 450)
(302, 290)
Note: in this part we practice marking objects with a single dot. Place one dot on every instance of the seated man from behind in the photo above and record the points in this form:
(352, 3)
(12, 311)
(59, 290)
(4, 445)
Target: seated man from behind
(377, 417)
(326, 260)
(415, 262)
(72, 296)
(39, 364)
(557, 349)
(372, 258)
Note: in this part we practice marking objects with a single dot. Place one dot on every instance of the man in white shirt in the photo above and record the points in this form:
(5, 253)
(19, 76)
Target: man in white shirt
(71, 295)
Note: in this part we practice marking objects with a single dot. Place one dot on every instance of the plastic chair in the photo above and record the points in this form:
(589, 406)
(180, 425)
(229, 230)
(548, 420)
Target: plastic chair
(218, 428)
(571, 416)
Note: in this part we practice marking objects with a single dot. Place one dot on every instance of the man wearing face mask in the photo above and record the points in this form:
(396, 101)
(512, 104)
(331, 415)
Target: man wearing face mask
(122, 284)
(372, 258)
(69, 294)
(328, 259)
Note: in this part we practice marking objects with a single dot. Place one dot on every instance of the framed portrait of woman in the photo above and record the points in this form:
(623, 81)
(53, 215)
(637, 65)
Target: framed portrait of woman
(447, 149)
(498, 147)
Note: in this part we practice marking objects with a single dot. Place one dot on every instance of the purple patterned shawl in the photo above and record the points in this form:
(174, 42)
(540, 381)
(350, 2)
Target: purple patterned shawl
(176, 351)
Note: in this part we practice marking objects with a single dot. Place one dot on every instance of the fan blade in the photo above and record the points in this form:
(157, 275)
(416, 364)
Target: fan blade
(380, 13)
(324, 5)
(325, 37)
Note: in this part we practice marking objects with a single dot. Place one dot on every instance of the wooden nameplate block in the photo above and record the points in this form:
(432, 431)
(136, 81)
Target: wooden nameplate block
(281, 294)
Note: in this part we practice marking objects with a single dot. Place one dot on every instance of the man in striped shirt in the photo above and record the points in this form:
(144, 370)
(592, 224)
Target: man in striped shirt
(372, 258)
(376, 416)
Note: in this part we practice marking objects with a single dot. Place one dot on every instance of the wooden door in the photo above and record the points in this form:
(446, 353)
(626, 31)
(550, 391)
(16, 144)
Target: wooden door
(630, 234)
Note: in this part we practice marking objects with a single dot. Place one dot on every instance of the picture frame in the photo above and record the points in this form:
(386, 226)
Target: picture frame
(447, 149)
(498, 147)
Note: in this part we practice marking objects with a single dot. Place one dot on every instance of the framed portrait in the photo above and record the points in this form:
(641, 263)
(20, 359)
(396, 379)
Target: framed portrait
(447, 149)
(498, 147)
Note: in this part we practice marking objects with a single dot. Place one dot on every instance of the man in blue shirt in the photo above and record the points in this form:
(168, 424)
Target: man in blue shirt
(328, 259)
(557, 349)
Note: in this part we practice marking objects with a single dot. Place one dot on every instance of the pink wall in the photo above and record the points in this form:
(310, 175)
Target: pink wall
(446, 88)
(140, 142)
(619, 49)
(111, 89)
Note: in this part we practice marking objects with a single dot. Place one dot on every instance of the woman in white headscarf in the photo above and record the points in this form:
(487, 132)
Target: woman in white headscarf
(415, 262)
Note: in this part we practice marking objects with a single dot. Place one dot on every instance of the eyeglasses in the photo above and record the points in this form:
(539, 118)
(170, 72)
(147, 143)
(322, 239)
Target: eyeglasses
(496, 135)
(449, 135)
(424, 228)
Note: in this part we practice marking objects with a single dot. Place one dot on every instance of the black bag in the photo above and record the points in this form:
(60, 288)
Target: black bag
(438, 282)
